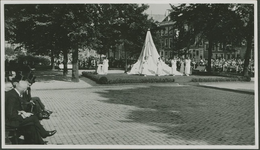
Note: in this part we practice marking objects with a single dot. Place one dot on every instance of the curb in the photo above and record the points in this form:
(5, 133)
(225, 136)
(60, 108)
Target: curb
(228, 89)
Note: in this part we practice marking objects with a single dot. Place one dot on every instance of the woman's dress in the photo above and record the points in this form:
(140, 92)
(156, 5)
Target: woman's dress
(182, 67)
(159, 68)
(144, 68)
(187, 66)
(105, 66)
(173, 62)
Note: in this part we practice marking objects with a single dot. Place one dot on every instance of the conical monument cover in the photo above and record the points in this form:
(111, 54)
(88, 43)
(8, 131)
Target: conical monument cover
(148, 59)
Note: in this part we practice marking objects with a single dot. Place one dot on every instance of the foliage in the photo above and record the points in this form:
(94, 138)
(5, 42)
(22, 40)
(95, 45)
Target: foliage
(214, 23)
(51, 29)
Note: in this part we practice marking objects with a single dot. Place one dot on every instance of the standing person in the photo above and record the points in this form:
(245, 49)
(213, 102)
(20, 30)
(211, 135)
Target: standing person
(182, 65)
(159, 67)
(105, 65)
(187, 66)
(15, 116)
(174, 65)
(145, 66)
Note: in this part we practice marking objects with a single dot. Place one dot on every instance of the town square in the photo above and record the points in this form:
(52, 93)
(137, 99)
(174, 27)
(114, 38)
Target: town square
(129, 75)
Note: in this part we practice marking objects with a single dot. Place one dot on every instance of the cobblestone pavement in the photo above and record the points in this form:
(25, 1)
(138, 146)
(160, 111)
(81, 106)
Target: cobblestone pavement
(85, 116)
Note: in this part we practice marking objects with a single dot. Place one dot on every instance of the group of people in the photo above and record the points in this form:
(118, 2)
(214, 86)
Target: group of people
(22, 111)
(103, 66)
(223, 65)
(231, 65)
(185, 66)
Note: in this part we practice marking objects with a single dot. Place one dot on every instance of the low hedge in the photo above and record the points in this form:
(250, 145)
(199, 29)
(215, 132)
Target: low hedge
(110, 79)
(124, 78)
(231, 78)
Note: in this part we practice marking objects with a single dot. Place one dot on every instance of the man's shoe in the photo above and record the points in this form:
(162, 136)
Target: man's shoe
(50, 133)
(49, 112)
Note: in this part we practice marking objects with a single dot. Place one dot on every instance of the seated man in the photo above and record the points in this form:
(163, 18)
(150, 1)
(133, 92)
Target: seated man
(38, 107)
(15, 116)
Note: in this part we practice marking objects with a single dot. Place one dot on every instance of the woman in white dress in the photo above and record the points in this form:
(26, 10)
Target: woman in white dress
(174, 66)
(105, 66)
(145, 66)
(187, 66)
(159, 67)
(100, 67)
(182, 66)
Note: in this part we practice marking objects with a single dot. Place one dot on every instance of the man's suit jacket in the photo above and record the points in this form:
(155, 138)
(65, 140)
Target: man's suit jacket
(13, 104)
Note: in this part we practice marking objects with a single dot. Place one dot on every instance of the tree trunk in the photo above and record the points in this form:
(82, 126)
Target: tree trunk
(247, 55)
(52, 60)
(75, 69)
(125, 58)
(209, 57)
(65, 62)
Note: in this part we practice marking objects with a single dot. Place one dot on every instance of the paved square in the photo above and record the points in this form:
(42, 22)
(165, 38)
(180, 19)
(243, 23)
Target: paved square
(113, 115)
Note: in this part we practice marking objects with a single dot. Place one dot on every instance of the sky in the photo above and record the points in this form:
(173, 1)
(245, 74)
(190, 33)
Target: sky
(157, 8)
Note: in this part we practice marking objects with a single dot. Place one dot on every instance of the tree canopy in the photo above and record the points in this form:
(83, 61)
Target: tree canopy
(212, 22)
(51, 29)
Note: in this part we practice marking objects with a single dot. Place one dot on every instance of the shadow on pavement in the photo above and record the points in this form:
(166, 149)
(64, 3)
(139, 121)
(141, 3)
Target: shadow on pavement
(191, 113)
(50, 75)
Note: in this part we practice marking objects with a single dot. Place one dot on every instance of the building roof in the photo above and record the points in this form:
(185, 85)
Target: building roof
(157, 17)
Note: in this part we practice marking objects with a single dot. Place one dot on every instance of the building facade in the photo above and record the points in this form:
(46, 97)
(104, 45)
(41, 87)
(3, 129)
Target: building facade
(197, 51)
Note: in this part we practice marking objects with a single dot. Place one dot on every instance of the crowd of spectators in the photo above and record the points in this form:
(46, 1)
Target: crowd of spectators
(223, 65)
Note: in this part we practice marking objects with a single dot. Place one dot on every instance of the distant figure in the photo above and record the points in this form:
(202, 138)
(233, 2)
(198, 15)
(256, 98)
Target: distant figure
(144, 70)
(159, 67)
(100, 67)
(105, 65)
(182, 66)
(174, 65)
(187, 66)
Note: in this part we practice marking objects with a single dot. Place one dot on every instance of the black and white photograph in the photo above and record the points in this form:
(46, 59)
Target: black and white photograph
(129, 75)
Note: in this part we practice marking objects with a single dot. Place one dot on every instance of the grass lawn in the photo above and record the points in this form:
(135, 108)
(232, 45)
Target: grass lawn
(191, 113)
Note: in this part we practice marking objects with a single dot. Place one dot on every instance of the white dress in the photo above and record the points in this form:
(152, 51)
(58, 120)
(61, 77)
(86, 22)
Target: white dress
(105, 66)
(144, 68)
(182, 67)
(187, 66)
(159, 68)
(173, 62)
(100, 69)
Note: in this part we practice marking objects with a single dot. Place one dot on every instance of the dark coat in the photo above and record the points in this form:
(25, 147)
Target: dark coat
(13, 104)
(33, 130)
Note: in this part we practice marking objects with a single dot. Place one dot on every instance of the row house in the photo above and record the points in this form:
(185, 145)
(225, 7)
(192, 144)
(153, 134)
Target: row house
(196, 51)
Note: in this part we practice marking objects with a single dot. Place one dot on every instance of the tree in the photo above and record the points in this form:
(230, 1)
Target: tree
(49, 29)
(246, 15)
(212, 22)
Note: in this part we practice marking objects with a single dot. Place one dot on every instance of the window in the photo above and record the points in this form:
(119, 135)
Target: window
(186, 27)
(166, 53)
(228, 56)
(166, 31)
(170, 30)
(201, 43)
(166, 42)
(197, 53)
(162, 32)
(170, 42)
(207, 46)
